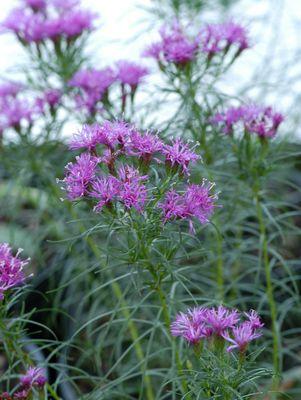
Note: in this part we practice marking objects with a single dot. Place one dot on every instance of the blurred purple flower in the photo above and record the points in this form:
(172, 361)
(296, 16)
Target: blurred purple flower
(217, 38)
(129, 73)
(34, 377)
(260, 120)
(174, 47)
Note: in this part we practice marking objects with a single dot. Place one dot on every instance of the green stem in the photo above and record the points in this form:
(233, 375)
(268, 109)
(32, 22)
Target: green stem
(167, 321)
(53, 393)
(127, 315)
(220, 269)
(269, 292)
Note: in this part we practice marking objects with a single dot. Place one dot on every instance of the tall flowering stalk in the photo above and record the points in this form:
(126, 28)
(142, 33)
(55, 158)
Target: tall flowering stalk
(116, 176)
(251, 128)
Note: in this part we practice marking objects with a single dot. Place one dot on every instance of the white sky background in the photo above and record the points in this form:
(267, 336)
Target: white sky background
(275, 31)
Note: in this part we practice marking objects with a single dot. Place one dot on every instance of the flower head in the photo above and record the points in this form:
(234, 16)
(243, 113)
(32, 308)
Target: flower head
(240, 336)
(79, 175)
(133, 192)
(105, 189)
(143, 145)
(130, 73)
(178, 154)
(190, 326)
(216, 38)
(11, 269)
(220, 319)
(93, 80)
(10, 89)
(34, 377)
(174, 47)
(254, 319)
(196, 202)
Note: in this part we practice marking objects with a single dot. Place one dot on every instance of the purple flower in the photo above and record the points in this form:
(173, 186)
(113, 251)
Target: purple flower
(220, 319)
(143, 145)
(79, 175)
(254, 319)
(10, 89)
(93, 80)
(14, 111)
(174, 47)
(191, 326)
(196, 202)
(36, 5)
(217, 38)
(50, 97)
(129, 73)
(75, 22)
(240, 336)
(132, 192)
(34, 377)
(11, 269)
(106, 189)
(178, 154)
(260, 120)
(88, 137)
(21, 394)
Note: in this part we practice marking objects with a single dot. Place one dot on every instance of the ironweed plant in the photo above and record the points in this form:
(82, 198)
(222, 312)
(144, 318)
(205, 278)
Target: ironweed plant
(163, 234)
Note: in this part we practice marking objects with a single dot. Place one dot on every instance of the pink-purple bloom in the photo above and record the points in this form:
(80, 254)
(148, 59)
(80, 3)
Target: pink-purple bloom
(262, 121)
(143, 145)
(34, 377)
(221, 318)
(179, 155)
(216, 38)
(174, 47)
(191, 326)
(129, 73)
(105, 189)
(79, 175)
(196, 202)
(240, 336)
(10, 89)
(11, 269)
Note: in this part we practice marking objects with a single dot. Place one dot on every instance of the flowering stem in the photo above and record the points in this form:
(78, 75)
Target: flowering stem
(269, 292)
(220, 270)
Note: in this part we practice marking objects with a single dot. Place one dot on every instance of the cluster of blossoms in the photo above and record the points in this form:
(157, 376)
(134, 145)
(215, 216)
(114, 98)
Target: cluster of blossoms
(15, 110)
(11, 269)
(94, 84)
(34, 378)
(262, 121)
(36, 21)
(99, 173)
(177, 48)
(201, 323)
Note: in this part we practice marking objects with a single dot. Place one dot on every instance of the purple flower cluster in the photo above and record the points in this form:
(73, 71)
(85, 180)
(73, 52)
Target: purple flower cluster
(11, 269)
(50, 98)
(201, 323)
(98, 173)
(15, 110)
(33, 378)
(262, 121)
(217, 38)
(36, 21)
(176, 47)
(94, 84)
